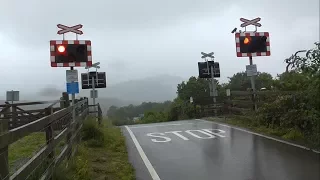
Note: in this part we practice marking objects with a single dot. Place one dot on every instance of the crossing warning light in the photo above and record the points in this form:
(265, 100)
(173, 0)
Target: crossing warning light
(247, 40)
(71, 53)
(253, 44)
(61, 48)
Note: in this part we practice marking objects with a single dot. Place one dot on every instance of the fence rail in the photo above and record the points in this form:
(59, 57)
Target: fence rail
(242, 102)
(58, 127)
(19, 116)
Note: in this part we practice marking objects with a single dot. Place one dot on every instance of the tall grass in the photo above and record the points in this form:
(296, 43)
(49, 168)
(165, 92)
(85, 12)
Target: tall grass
(102, 154)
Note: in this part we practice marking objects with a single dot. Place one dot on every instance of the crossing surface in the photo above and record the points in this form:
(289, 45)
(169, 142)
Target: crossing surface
(199, 149)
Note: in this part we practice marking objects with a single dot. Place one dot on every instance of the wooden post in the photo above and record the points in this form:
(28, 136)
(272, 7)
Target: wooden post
(99, 114)
(62, 102)
(70, 126)
(49, 136)
(81, 107)
(4, 163)
(76, 108)
(68, 140)
(86, 105)
(65, 97)
(14, 115)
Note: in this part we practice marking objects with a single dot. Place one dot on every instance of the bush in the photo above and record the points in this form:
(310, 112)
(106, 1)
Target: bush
(293, 114)
(76, 168)
(92, 133)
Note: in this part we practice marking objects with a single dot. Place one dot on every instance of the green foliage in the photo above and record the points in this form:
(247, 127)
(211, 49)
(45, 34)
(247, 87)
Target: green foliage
(152, 116)
(300, 112)
(196, 88)
(125, 115)
(74, 169)
(241, 82)
(24, 148)
(92, 133)
(107, 161)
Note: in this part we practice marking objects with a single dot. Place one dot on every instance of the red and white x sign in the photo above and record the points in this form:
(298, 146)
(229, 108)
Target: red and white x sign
(74, 29)
(250, 22)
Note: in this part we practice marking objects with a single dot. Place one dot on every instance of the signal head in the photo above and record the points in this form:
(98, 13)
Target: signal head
(61, 49)
(253, 44)
(71, 53)
(247, 40)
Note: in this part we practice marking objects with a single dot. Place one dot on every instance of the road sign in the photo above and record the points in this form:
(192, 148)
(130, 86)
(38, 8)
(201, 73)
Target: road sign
(66, 29)
(73, 88)
(216, 70)
(12, 96)
(252, 44)
(100, 80)
(250, 22)
(94, 94)
(203, 69)
(71, 76)
(228, 92)
(71, 53)
(251, 70)
(191, 99)
(204, 55)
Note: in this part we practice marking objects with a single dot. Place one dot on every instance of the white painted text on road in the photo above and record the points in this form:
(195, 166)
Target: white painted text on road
(185, 135)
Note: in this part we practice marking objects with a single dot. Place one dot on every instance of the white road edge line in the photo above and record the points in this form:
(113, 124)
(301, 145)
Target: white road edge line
(144, 157)
(159, 125)
(278, 140)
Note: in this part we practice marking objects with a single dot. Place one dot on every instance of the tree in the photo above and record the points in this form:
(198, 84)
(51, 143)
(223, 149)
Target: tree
(299, 112)
(241, 82)
(125, 115)
(291, 81)
(309, 67)
(197, 88)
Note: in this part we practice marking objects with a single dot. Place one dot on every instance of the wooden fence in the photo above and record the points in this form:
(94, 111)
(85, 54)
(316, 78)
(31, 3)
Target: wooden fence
(242, 102)
(18, 116)
(55, 122)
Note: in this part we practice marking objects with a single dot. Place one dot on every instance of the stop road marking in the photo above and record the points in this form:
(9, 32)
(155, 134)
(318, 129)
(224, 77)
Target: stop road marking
(199, 134)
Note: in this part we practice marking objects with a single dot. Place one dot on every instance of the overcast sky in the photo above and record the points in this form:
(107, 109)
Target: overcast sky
(139, 38)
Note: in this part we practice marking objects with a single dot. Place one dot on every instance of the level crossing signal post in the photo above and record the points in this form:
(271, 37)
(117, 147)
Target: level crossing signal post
(249, 44)
(94, 80)
(210, 70)
(71, 53)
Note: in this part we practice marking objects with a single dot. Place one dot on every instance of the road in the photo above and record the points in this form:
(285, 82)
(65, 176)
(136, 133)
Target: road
(203, 150)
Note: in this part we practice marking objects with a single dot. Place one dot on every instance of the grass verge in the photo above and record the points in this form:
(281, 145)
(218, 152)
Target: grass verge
(20, 151)
(102, 155)
(290, 135)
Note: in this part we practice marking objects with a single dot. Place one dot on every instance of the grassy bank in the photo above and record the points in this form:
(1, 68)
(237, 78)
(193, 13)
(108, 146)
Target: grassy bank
(102, 154)
(20, 151)
(291, 135)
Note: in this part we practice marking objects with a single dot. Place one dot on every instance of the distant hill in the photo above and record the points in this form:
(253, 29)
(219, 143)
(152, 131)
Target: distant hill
(105, 103)
(152, 89)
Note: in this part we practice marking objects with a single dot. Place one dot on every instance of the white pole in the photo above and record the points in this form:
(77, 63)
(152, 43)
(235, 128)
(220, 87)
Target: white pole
(213, 91)
(93, 95)
(73, 96)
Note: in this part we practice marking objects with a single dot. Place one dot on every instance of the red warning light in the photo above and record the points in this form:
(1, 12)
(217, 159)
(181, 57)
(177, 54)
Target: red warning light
(61, 49)
(247, 40)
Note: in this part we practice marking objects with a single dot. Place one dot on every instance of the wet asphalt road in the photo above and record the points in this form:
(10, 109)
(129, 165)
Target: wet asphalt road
(202, 150)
